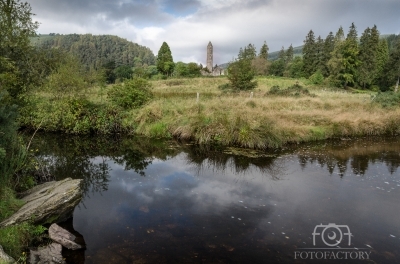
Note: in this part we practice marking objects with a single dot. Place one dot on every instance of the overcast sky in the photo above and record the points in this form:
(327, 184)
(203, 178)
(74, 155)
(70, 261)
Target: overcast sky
(188, 25)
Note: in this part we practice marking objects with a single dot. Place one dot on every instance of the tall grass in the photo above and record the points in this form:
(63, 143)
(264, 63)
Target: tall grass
(255, 119)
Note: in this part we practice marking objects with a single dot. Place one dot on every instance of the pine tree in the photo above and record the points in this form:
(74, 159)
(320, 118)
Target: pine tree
(165, 63)
(382, 57)
(264, 51)
(309, 54)
(319, 59)
(329, 45)
(369, 45)
(344, 62)
(391, 71)
(289, 54)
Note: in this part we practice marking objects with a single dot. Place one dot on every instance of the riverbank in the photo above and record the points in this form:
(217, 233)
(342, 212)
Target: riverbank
(253, 120)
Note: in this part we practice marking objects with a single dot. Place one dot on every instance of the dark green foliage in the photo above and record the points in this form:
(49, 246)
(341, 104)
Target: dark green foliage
(131, 94)
(241, 74)
(391, 70)
(248, 52)
(344, 61)
(15, 238)
(289, 55)
(165, 62)
(369, 48)
(309, 54)
(317, 77)
(295, 69)
(277, 67)
(16, 26)
(123, 72)
(109, 71)
(329, 45)
(95, 51)
(388, 99)
(73, 116)
(264, 51)
(292, 91)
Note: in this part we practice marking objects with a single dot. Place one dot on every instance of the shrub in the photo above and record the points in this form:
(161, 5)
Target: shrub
(387, 99)
(316, 78)
(294, 90)
(131, 94)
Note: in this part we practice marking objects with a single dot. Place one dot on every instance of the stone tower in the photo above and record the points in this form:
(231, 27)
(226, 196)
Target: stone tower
(210, 56)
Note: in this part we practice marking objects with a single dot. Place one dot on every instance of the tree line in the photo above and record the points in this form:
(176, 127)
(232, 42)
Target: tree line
(367, 62)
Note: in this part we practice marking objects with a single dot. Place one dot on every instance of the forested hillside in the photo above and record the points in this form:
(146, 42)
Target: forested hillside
(96, 51)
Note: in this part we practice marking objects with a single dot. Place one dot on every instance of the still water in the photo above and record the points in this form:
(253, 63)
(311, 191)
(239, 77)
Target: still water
(169, 202)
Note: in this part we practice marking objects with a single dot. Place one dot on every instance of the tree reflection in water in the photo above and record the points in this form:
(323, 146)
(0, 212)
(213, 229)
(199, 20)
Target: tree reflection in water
(88, 157)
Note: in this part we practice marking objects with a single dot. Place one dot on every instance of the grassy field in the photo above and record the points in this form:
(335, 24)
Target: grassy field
(260, 120)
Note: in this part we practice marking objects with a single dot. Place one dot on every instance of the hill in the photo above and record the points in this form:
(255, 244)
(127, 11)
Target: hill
(95, 51)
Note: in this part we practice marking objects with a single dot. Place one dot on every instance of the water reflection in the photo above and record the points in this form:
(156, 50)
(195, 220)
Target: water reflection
(167, 202)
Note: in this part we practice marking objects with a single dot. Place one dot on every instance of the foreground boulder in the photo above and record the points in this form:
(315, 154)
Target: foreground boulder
(4, 258)
(48, 203)
(50, 254)
(63, 237)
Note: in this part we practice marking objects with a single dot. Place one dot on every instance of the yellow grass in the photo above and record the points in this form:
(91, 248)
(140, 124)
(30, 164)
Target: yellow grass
(263, 120)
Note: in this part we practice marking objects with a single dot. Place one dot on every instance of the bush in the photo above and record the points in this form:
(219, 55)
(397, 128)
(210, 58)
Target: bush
(131, 94)
(316, 78)
(387, 99)
(294, 90)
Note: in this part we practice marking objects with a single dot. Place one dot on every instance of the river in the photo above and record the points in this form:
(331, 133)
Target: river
(155, 201)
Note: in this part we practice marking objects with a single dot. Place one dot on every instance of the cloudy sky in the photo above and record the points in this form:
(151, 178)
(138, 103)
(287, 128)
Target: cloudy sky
(188, 25)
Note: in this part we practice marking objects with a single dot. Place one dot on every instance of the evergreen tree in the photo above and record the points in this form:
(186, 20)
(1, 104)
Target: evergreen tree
(289, 54)
(344, 61)
(319, 53)
(329, 45)
(264, 51)
(309, 54)
(391, 71)
(165, 63)
(369, 45)
(248, 52)
(382, 57)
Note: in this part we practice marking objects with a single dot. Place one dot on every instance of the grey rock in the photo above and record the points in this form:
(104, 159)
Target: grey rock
(4, 258)
(62, 236)
(47, 255)
(48, 203)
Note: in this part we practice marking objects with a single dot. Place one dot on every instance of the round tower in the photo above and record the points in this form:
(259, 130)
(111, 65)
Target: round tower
(210, 56)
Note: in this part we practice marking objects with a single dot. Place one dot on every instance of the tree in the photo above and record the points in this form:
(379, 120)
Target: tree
(241, 72)
(382, 57)
(16, 26)
(165, 62)
(264, 51)
(329, 45)
(289, 55)
(319, 54)
(309, 54)
(369, 47)
(248, 52)
(344, 60)
(391, 71)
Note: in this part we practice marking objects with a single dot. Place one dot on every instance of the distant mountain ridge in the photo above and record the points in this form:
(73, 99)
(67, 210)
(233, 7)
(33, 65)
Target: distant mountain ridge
(97, 50)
